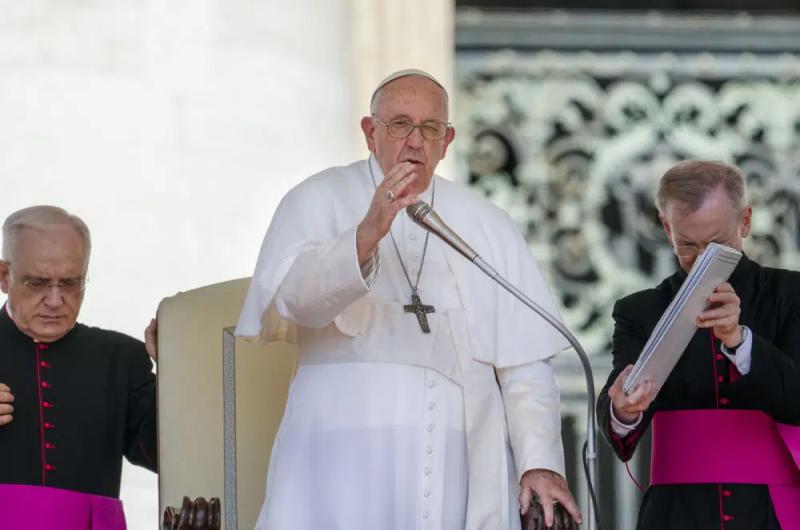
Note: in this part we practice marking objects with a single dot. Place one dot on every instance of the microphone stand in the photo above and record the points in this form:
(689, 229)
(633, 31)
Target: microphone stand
(422, 214)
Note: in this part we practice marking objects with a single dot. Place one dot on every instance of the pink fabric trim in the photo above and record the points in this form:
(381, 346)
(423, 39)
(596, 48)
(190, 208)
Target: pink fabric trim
(730, 446)
(44, 508)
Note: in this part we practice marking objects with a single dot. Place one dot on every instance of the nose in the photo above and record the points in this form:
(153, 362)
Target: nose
(53, 297)
(415, 139)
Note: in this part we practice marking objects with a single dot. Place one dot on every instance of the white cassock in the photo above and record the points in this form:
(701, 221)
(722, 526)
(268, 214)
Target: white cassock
(385, 426)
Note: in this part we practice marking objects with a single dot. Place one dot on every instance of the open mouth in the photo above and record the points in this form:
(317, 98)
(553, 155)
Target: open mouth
(416, 163)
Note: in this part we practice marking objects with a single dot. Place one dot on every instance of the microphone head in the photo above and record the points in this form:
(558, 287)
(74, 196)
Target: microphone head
(422, 214)
(418, 211)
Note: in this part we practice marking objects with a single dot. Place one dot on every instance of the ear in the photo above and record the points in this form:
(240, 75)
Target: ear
(368, 127)
(4, 272)
(746, 222)
(667, 229)
(448, 139)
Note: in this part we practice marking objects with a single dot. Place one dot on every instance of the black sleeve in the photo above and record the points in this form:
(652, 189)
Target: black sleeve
(773, 383)
(629, 338)
(141, 446)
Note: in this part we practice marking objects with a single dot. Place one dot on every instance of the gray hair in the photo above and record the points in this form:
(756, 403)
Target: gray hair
(376, 95)
(41, 217)
(690, 182)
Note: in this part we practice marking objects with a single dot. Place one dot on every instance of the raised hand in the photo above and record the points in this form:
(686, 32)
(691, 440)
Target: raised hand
(391, 196)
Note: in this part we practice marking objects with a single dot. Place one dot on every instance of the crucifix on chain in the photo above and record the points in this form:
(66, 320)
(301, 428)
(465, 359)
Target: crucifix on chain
(420, 310)
(416, 306)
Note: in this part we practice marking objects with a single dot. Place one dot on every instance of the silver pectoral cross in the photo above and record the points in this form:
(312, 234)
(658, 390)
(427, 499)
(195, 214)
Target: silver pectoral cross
(420, 310)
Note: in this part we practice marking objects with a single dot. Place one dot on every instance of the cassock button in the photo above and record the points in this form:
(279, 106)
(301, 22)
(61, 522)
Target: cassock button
(427, 470)
(47, 404)
(48, 445)
(727, 518)
(48, 425)
(431, 384)
(431, 406)
(45, 384)
(429, 449)
(42, 346)
(427, 494)
(724, 401)
(49, 467)
(425, 515)
(412, 237)
(429, 428)
(727, 493)
(720, 357)
(721, 379)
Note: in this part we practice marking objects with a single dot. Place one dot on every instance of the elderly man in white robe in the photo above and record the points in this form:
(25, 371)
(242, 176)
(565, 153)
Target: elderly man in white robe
(424, 396)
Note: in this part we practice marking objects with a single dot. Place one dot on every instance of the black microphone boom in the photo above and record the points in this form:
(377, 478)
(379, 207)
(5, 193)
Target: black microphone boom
(422, 214)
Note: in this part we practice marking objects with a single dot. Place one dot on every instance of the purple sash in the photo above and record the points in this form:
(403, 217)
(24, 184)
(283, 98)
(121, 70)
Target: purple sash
(43, 508)
(730, 446)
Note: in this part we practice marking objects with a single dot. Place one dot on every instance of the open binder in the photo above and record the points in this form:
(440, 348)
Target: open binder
(678, 324)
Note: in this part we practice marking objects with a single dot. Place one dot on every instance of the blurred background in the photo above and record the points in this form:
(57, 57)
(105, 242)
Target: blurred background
(174, 128)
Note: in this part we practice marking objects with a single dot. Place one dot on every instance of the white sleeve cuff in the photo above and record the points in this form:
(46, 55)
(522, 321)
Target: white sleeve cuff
(369, 272)
(623, 429)
(742, 355)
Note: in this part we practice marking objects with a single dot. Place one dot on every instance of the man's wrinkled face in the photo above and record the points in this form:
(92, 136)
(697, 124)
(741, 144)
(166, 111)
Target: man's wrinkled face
(44, 281)
(716, 221)
(419, 100)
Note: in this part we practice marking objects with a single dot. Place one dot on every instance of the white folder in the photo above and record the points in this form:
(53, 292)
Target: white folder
(678, 324)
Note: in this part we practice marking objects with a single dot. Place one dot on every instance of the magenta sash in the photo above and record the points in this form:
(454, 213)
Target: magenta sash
(730, 446)
(43, 508)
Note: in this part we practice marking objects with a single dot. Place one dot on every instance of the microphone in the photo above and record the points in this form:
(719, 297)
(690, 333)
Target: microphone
(422, 214)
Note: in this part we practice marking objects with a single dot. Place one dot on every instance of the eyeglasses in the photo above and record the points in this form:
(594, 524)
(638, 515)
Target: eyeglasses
(403, 127)
(40, 286)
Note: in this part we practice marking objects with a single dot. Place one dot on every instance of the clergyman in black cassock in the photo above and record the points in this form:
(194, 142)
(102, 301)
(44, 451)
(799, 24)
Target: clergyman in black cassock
(81, 403)
(705, 378)
(74, 400)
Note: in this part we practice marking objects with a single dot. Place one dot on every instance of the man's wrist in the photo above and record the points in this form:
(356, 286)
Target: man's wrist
(365, 249)
(737, 339)
(621, 418)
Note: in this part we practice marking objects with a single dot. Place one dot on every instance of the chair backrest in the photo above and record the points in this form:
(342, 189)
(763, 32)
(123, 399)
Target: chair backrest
(209, 446)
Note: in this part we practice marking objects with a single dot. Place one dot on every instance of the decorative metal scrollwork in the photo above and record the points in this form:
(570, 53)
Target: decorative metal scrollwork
(572, 146)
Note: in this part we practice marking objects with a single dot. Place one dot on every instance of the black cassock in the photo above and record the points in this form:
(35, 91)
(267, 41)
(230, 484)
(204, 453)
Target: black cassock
(81, 403)
(706, 379)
